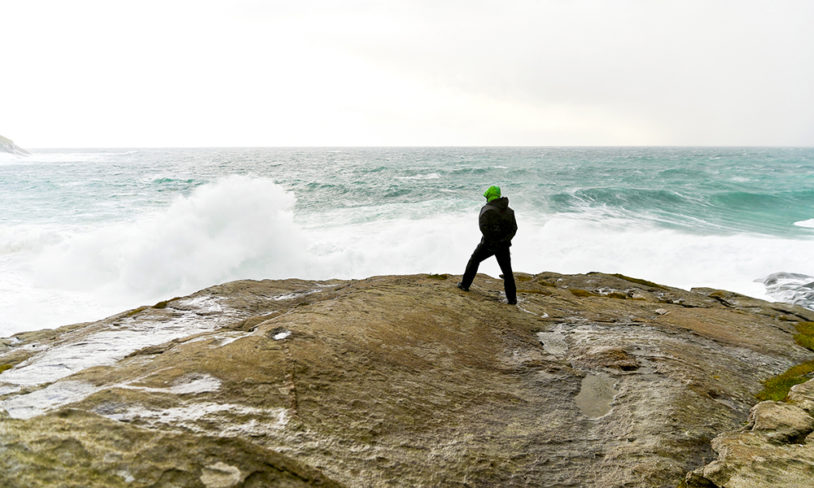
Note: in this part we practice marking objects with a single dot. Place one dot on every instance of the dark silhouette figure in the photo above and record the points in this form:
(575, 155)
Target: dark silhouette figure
(498, 227)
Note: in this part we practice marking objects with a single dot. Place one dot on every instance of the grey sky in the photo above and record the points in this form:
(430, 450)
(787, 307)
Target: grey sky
(316, 72)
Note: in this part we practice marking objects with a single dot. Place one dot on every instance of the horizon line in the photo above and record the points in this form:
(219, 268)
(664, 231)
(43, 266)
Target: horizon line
(440, 146)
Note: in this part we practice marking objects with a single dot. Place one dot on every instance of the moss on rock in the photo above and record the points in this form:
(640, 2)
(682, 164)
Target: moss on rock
(583, 293)
(639, 281)
(777, 387)
(136, 311)
(805, 334)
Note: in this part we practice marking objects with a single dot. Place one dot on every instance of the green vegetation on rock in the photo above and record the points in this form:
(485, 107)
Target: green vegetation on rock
(583, 293)
(533, 291)
(135, 311)
(163, 304)
(805, 334)
(438, 276)
(639, 281)
(777, 387)
(4, 367)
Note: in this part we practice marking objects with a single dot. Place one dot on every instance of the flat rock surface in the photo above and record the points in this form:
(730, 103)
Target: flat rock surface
(590, 381)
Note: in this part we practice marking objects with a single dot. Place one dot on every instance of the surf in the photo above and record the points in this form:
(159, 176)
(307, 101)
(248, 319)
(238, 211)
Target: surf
(127, 228)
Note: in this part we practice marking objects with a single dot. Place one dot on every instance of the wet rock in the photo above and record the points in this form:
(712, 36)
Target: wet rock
(402, 380)
(221, 475)
(747, 460)
(608, 357)
(775, 449)
(780, 422)
(76, 448)
(802, 395)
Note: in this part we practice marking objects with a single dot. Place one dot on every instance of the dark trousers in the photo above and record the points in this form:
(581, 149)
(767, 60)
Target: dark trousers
(504, 260)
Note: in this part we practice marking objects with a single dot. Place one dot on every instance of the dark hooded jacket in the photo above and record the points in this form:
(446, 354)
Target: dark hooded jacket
(497, 224)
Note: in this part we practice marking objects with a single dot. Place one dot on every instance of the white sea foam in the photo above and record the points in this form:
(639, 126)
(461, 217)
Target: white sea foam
(240, 227)
(221, 230)
(236, 228)
(8, 159)
(793, 288)
(572, 245)
(428, 176)
(805, 223)
(22, 238)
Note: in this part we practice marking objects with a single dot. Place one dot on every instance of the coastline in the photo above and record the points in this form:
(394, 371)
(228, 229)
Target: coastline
(396, 368)
(89, 233)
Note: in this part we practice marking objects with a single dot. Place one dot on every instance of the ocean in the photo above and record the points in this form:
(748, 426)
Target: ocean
(88, 233)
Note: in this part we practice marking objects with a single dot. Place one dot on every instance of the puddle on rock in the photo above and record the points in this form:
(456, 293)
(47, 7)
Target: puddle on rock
(553, 343)
(595, 396)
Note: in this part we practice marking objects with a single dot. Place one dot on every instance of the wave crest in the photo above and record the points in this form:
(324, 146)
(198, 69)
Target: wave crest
(236, 226)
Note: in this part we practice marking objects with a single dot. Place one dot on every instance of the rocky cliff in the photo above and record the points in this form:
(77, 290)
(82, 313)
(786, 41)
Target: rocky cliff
(591, 381)
(6, 145)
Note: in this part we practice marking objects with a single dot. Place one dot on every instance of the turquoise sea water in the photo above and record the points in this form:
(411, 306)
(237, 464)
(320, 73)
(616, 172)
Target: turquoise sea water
(86, 233)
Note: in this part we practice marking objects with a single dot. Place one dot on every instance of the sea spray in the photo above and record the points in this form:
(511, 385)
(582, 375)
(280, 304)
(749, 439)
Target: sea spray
(88, 233)
(234, 228)
(793, 288)
(237, 226)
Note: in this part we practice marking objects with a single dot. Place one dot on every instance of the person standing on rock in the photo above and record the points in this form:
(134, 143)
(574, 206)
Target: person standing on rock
(498, 227)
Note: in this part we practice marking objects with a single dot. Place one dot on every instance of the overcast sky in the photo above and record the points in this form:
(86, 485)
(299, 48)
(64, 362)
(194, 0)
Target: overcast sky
(88, 73)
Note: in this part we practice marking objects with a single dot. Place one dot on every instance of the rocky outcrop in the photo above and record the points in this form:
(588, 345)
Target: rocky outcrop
(775, 449)
(6, 145)
(591, 381)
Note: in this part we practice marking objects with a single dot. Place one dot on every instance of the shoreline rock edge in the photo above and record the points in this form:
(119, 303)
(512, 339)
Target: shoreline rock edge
(405, 381)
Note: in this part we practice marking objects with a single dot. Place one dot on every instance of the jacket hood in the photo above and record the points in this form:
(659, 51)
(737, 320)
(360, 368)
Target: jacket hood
(492, 193)
(501, 203)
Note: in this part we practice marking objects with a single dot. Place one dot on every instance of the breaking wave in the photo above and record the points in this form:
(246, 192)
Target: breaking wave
(90, 233)
(245, 228)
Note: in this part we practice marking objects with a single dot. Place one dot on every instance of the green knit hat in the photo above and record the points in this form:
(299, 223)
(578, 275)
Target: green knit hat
(493, 193)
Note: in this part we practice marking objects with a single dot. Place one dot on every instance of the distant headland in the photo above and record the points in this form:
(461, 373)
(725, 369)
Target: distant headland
(7, 145)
